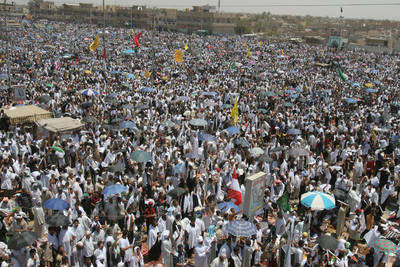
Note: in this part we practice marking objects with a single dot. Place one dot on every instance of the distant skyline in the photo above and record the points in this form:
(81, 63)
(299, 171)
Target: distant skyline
(379, 9)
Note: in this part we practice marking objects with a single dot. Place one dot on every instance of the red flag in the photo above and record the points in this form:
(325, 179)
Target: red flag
(137, 37)
(105, 55)
(234, 191)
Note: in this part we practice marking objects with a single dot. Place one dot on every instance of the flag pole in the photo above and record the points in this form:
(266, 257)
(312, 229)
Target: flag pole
(104, 45)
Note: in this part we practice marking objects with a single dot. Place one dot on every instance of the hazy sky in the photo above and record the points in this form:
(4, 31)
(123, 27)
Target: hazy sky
(376, 11)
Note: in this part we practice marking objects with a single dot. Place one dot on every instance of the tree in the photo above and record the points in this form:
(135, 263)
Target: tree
(242, 27)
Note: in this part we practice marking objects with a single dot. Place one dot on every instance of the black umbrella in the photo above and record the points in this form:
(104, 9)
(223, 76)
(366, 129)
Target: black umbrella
(44, 99)
(117, 168)
(87, 104)
(277, 149)
(176, 192)
(265, 158)
(327, 242)
(21, 240)
(58, 220)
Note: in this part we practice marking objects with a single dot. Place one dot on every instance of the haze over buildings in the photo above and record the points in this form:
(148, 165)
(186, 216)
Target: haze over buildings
(378, 9)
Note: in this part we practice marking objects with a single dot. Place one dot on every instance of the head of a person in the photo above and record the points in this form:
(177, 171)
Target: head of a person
(76, 223)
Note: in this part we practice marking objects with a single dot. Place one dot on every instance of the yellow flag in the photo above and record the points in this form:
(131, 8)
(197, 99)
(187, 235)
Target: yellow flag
(373, 138)
(93, 46)
(37, 57)
(186, 47)
(245, 44)
(249, 53)
(235, 112)
(282, 52)
(147, 73)
(178, 56)
(260, 43)
(132, 31)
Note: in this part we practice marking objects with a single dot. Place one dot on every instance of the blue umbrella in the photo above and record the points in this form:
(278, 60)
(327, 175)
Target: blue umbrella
(129, 51)
(351, 100)
(115, 72)
(127, 125)
(130, 76)
(209, 93)
(198, 122)
(318, 200)
(356, 84)
(56, 204)
(294, 131)
(241, 142)
(232, 130)
(90, 92)
(140, 156)
(148, 90)
(371, 90)
(241, 228)
(206, 137)
(3, 76)
(178, 168)
(225, 206)
(114, 189)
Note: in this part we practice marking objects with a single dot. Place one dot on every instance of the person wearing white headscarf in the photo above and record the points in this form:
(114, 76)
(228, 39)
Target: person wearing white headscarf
(166, 249)
(201, 253)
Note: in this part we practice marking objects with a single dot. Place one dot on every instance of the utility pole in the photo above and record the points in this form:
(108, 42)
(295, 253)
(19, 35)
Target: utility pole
(132, 17)
(6, 8)
(152, 47)
(104, 45)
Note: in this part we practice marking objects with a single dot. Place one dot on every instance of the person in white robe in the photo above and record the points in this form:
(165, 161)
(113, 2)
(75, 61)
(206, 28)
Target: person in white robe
(201, 253)
(166, 249)
(39, 220)
(220, 261)
(152, 237)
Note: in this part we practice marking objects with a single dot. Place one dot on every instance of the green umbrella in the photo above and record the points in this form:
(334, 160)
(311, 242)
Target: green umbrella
(57, 148)
(288, 105)
(268, 94)
(263, 110)
(225, 106)
(176, 192)
(49, 85)
(140, 156)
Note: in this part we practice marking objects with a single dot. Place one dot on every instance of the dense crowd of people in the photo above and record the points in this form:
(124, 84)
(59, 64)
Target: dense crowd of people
(157, 173)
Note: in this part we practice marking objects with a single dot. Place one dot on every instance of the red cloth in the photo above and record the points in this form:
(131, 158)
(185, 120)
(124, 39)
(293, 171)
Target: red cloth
(136, 38)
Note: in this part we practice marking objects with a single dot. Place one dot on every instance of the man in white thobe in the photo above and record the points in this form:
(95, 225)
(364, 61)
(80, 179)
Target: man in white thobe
(201, 253)
(152, 239)
(166, 249)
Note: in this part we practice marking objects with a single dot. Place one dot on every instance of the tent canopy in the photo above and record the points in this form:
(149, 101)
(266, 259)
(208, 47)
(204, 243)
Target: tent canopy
(25, 114)
(59, 125)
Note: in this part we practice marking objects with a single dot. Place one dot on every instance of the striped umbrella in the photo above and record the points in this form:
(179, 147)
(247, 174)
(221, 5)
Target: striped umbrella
(318, 200)
(385, 246)
(241, 228)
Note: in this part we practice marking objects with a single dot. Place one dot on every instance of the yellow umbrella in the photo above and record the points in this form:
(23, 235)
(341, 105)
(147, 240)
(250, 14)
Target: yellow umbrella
(369, 85)
(88, 72)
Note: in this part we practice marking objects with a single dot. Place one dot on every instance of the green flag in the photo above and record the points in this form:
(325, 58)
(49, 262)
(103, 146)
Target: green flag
(342, 75)
(234, 65)
(283, 201)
